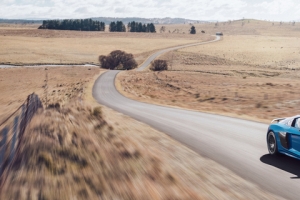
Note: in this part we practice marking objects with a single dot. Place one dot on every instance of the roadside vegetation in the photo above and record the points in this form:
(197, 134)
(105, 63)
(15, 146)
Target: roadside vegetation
(118, 60)
(159, 65)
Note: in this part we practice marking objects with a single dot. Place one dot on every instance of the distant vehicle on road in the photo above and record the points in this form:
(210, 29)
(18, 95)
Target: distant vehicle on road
(219, 33)
(283, 136)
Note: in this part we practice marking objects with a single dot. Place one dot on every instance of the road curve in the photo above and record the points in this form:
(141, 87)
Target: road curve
(237, 144)
(155, 55)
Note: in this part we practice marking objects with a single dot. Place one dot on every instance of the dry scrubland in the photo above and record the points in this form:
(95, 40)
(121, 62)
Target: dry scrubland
(28, 45)
(63, 84)
(84, 151)
(252, 73)
(74, 153)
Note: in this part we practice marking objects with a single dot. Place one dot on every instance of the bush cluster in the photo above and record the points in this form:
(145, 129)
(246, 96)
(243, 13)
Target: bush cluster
(159, 65)
(118, 60)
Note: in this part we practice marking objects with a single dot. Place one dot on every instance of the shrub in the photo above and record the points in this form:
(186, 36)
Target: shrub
(159, 65)
(118, 60)
(97, 112)
(193, 30)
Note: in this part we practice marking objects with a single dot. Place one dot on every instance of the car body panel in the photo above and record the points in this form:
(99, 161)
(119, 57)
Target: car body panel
(287, 136)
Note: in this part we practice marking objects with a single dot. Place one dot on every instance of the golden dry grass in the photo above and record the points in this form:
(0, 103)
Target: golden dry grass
(81, 151)
(249, 93)
(250, 27)
(64, 83)
(73, 152)
(85, 151)
(33, 46)
(251, 73)
(255, 50)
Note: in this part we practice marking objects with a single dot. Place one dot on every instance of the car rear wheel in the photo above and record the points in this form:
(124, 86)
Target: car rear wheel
(272, 143)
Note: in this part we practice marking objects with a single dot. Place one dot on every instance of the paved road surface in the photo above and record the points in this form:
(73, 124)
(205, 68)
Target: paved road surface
(237, 144)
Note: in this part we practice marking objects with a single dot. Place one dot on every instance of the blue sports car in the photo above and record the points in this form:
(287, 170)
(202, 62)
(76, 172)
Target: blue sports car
(284, 136)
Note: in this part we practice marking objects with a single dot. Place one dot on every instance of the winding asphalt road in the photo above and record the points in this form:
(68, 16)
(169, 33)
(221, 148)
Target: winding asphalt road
(237, 144)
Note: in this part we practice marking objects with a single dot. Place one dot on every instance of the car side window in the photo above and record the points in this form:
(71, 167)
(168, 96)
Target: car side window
(289, 122)
(297, 124)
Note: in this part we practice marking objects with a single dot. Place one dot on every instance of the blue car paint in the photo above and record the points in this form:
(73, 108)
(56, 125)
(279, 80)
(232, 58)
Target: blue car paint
(293, 138)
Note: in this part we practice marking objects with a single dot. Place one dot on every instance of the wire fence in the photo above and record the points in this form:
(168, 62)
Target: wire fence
(12, 130)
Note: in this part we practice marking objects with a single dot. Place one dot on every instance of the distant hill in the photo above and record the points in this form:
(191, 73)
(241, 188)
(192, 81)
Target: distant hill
(20, 21)
(166, 20)
(107, 20)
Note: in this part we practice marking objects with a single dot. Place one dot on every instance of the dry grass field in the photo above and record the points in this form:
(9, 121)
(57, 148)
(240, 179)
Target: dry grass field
(250, 94)
(255, 50)
(64, 83)
(84, 151)
(238, 27)
(28, 45)
(248, 74)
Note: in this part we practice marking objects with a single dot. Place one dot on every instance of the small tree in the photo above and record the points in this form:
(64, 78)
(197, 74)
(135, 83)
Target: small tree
(162, 29)
(159, 65)
(118, 60)
(193, 30)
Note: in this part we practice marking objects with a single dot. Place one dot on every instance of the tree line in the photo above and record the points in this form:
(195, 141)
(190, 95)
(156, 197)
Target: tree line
(74, 24)
(117, 26)
(139, 27)
(133, 26)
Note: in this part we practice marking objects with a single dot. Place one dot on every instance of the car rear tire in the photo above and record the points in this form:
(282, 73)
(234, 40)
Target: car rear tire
(272, 143)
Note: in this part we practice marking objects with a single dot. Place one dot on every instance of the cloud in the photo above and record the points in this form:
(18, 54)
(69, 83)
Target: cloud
(192, 9)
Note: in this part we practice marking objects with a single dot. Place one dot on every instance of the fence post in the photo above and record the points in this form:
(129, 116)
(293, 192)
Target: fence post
(23, 119)
(29, 109)
(14, 139)
(3, 145)
(36, 103)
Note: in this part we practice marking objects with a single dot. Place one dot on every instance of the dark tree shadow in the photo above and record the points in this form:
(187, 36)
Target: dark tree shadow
(283, 162)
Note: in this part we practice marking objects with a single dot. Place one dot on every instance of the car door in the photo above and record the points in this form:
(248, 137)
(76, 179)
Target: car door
(294, 133)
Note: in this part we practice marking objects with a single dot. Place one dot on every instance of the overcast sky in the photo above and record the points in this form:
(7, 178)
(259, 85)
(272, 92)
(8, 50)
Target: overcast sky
(279, 10)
